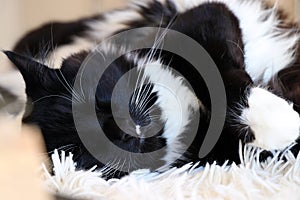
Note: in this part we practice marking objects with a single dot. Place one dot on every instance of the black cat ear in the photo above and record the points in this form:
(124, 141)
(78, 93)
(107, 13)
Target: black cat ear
(29, 68)
(37, 76)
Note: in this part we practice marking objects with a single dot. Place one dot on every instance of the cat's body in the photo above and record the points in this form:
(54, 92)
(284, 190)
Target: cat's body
(224, 31)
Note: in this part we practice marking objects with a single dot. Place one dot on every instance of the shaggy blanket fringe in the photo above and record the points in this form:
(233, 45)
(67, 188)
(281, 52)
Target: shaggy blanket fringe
(276, 178)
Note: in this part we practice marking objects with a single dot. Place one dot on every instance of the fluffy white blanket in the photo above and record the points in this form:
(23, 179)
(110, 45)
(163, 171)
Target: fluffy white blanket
(272, 179)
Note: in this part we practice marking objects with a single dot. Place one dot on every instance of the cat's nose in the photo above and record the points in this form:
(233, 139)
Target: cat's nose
(138, 130)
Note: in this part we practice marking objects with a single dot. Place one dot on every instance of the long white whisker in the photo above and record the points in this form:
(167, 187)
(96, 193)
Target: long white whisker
(159, 39)
(116, 169)
(145, 97)
(122, 166)
(71, 88)
(144, 104)
(66, 87)
(63, 148)
(109, 167)
(148, 56)
(54, 95)
(148, 109)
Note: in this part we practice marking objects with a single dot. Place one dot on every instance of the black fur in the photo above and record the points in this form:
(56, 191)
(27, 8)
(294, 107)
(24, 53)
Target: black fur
(43, 40)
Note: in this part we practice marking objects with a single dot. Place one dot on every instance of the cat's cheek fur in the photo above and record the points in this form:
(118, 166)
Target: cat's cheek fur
(272, 120)
(177, 101)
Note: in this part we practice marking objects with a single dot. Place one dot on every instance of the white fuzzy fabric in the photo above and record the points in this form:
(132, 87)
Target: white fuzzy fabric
(273, 179)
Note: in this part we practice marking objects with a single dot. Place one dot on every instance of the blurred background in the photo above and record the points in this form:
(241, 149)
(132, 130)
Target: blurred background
(19, 16)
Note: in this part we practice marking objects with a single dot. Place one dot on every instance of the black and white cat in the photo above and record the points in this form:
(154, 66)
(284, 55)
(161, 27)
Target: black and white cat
(246, 41)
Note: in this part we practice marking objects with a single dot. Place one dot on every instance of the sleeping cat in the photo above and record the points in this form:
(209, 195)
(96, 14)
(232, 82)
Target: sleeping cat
(240, 47)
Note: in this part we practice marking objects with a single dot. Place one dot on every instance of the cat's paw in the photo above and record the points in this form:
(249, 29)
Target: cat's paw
(272, 120)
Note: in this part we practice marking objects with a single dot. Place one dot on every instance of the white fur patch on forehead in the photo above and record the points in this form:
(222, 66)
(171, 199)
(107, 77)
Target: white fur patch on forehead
(57, 56)
(176, 100)
(113, 22)
(268, 47)
(272, 119)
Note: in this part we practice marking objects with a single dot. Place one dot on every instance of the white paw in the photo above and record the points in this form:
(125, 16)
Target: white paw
(272, 120)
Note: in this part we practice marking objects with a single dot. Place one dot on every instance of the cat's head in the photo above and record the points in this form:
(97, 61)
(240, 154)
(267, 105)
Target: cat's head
(160, 106)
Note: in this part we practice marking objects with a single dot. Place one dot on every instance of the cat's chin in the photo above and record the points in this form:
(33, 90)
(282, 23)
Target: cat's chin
(272, 120)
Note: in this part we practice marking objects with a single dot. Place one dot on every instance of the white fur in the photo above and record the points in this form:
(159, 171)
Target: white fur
(177, 101)
(55, 58)
(268, 48)
(138, 130)
(274, 122)
(113, 22)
